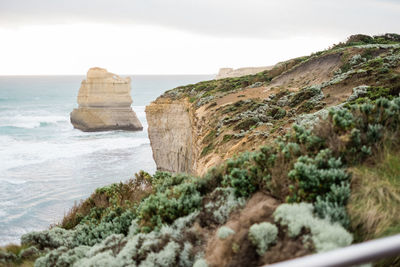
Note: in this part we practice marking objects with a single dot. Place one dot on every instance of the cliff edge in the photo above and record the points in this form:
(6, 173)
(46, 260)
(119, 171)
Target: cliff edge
(171, 135)
(195, 127)
(104, 103)
(231, 73)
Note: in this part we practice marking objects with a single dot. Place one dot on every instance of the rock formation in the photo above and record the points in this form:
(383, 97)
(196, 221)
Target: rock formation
(194, 127)
(105, 103)
(170, 133)
(230, 73)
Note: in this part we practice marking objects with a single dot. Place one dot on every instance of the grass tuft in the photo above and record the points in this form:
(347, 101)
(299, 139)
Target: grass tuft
(375, 198)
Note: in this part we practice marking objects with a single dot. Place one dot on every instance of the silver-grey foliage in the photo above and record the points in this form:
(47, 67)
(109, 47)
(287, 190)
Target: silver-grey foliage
(324, 234)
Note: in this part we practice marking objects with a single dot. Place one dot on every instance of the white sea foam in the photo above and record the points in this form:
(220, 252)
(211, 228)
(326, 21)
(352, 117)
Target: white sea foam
(62, 142)
(34, 119)
(15, 182)
(15, 153)
(30, 122)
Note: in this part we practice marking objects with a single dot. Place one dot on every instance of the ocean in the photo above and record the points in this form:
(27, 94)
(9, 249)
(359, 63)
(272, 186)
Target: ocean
(46, 165)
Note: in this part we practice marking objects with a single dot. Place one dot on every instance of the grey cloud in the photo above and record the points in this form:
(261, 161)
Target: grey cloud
(244, 18)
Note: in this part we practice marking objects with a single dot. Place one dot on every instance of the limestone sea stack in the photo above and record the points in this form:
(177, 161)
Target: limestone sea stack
(105, 103)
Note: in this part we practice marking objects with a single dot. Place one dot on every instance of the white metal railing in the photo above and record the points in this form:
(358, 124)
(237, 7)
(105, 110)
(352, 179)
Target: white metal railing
(352, 255)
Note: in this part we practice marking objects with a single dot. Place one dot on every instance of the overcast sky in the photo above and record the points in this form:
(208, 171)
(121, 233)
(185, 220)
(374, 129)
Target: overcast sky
(177, 36)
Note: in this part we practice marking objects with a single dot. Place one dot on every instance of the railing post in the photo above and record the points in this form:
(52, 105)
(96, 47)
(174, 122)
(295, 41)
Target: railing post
(365, 252)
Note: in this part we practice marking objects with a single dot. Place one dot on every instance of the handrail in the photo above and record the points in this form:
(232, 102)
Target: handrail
(355, 254)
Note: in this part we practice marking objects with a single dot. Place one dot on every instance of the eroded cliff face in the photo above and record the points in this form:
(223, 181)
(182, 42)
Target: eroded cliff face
(171, 125)
(195, 127)
(105, 103)
(198, 126)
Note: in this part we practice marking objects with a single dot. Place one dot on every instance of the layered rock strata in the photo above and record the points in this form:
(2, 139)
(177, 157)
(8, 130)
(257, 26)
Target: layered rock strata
(170, 132)
(105, 103)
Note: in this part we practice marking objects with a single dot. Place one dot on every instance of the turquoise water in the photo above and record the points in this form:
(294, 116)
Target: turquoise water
(46, 165)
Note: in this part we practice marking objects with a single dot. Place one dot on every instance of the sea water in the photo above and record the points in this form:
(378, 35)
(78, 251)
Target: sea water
(46, 165)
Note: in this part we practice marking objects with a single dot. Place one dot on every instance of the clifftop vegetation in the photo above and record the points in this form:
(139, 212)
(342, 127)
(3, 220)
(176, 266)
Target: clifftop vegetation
(242, 113)
(317, 150)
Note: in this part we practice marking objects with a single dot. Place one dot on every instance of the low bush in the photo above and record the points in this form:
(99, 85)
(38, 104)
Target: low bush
(361, 39)
(324, 234)
(333, 204)
(62, 256)
(206, 150)
(167, 206)
(246, 124)
(200, 263)
(263, 235)
(224, 232)
(316, 176)
(249, 171)
(221, 203)
(108, 198)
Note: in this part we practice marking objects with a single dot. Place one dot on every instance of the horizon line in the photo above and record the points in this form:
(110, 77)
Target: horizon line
(169, 74)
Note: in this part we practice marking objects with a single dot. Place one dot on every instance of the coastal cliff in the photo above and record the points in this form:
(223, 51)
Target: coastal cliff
(195, 127)
(218, 119)
(171, 134)
(104, 103)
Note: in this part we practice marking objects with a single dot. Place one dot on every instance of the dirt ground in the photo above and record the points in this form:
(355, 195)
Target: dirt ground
(314, 71)
(237, 250)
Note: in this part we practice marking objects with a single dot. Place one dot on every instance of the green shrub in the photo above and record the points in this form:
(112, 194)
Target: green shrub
(304, 94)
(167, 206)
(92, 232)
(186, 258)
(207, 150)
(249, 171)
(224, 232)
(238, 179)
(165, 257)
(324, 234)
(262, 236)
(7, 257)
(289, 149)
(223, 203)
(277, 113)
(315, 176)
(246, 124)
(209, 137)
(62, 256)
(200, 263)
(372, 93)
(53, 238)
(227, 138)
(374, 133)
(333, 205)
(157, 248)
(112, 200)
(113, 242)
(305, 137)
(342, 118)
(161, 181)
(332, 211)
